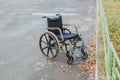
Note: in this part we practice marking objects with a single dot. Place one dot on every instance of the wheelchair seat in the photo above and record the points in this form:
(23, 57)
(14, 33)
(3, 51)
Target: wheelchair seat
(57, 22)
(67, 36)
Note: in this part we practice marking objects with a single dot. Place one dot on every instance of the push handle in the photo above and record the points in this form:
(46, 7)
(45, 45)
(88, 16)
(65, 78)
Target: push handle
(57, 14)
(44, 17)
(47, 17)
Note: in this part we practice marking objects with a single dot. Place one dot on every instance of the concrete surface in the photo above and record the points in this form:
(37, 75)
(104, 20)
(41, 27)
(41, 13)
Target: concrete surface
(21, 26)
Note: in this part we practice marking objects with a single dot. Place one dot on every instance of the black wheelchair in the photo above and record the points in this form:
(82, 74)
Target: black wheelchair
(57, 37)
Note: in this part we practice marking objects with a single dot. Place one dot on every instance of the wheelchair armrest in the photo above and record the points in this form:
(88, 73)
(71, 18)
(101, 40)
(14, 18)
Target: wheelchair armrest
(73, 26)
(54, 28)
(65, 29)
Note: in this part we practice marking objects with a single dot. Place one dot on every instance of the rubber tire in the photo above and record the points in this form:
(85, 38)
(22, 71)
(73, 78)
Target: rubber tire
(70, 60)
(53, 36)
(84, 56)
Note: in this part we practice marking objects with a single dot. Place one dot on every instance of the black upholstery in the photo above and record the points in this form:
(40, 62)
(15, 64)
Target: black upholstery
(57, 22)
(67, 36)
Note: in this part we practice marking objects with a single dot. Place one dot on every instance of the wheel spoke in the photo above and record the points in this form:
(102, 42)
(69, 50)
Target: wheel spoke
(52, 52)
(45, 47)
(46, 38)
(44, 42)
(50, 41)
(48, 52)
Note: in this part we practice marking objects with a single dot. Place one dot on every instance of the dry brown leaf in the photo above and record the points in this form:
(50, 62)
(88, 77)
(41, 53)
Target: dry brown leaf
(92, 46)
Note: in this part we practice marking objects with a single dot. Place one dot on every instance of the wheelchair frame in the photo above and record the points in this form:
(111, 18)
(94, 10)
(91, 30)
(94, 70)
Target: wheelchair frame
(59, 44)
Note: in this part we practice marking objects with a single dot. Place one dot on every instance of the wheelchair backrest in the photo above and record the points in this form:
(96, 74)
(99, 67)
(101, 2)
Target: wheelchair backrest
(55, 22)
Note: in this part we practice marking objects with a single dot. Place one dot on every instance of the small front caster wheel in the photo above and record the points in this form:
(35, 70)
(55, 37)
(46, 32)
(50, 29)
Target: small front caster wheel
(84, 54)
(70, 60)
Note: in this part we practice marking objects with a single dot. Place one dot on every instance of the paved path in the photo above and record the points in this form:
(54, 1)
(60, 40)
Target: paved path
(21, 26)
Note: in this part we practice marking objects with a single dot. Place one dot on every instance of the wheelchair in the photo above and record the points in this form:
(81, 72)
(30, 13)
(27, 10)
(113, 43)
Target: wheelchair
(57, 38)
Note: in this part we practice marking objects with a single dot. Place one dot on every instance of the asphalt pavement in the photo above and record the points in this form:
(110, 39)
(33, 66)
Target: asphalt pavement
(21, 25)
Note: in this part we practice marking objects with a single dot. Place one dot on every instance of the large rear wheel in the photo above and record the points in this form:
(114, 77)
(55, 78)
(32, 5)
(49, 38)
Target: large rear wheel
(49, 45)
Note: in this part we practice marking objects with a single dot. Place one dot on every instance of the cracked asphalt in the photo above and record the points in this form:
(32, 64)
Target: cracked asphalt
(21, 26)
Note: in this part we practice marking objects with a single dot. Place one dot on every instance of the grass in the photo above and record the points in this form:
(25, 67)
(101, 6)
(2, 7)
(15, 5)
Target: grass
(112, 11)
(101, 55)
